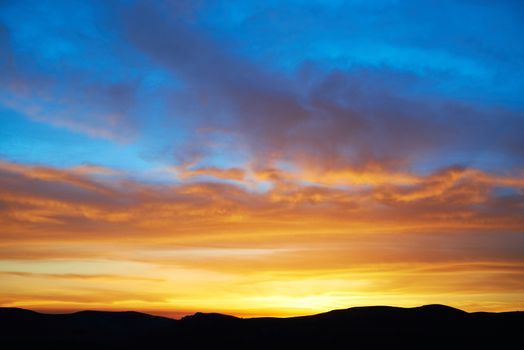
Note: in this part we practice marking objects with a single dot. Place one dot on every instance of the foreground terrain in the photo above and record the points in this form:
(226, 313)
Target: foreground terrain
(430, 326)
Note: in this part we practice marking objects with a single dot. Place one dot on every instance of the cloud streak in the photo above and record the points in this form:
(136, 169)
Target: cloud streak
(446, 225)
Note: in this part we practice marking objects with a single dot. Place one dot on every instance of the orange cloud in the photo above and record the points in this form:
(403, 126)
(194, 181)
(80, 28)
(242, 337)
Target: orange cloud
(225, 174)
(89, 169)
(76, 177)
(311, 243)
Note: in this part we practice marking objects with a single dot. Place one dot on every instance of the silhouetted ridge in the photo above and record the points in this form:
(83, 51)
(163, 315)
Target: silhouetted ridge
(429, 326)
(438, 308)
(129, 315)
(359, 310)
(16, 312)
(213, 317)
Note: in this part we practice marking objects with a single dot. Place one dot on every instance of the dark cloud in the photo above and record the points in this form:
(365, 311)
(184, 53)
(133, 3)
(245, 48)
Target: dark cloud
(344, 117)
(48, 85)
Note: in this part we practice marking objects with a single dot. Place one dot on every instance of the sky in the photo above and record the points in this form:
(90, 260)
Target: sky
(261, 158)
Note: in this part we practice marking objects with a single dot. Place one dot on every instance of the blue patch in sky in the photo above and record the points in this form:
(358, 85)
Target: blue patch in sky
(33, 142)
(72, 56)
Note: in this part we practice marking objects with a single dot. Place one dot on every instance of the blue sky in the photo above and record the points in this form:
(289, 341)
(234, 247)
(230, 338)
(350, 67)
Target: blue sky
(137, 85)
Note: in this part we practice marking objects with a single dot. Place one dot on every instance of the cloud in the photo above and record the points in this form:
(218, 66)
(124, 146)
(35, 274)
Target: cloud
(76, 276)
(340, 118)
(184, 173)
(318, 245)
(88, 169)
(62, 200)
(72, 177)
(49, 81)
(358, 116)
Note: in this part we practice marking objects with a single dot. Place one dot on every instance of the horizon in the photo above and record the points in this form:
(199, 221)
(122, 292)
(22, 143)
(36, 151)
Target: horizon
(180, 315)
(261, 158)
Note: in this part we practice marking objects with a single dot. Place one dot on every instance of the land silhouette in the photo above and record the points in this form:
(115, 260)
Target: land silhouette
(429, 326)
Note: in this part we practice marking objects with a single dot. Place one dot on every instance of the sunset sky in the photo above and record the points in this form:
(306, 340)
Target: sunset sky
(261, 157)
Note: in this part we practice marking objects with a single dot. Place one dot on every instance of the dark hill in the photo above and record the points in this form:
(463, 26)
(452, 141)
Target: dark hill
(430, 326)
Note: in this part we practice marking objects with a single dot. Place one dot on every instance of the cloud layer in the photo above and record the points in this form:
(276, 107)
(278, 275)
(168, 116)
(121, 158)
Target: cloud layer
(371, 240)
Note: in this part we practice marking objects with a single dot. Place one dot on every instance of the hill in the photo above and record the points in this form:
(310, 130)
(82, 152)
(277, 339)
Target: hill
(430, 326)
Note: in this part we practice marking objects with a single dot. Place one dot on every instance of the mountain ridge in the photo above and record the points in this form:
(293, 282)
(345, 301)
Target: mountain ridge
(217, 314)
(425, 326)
